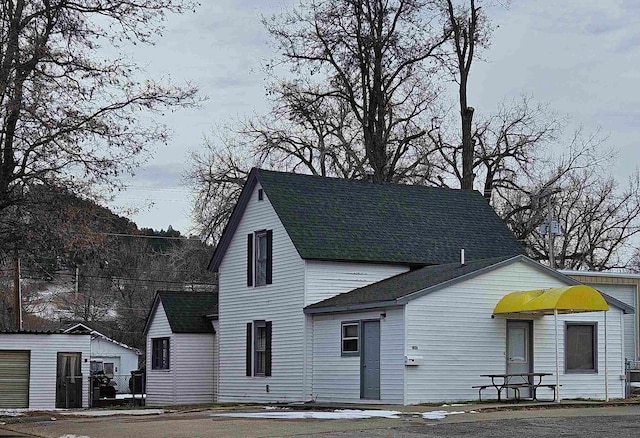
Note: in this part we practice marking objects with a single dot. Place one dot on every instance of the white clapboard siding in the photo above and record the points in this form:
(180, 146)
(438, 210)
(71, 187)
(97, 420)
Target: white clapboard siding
(44, 350)
(193, 368)
(337, 378)
(626, 293)
(280, 302)
(327, 279)
(216, 359)
(453, 330)
(161, 389)
(108, 351)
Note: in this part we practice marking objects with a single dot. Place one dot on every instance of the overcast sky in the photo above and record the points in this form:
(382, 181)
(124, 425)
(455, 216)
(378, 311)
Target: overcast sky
(580, 56)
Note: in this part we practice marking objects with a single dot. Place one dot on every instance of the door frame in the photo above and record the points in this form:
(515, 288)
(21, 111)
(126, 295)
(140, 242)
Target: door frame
(530, 339)
(362, 355)
(80, 376)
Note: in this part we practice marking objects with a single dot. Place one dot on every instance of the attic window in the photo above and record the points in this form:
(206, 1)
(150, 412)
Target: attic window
(260, 194)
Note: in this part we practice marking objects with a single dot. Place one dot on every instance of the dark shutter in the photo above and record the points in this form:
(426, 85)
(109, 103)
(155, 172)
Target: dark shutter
(269, 255)
(249, 347)
(267, 352)
(250, 260)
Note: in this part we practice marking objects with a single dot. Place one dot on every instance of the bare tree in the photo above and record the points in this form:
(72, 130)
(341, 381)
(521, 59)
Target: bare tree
(378, 59)
(68, 117)
(470, 31)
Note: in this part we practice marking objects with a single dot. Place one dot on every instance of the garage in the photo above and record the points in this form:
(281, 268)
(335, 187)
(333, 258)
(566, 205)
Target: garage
(30, 361)
(14, 379)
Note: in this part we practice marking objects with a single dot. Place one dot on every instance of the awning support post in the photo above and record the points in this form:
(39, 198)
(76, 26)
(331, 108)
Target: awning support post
(606, 365)
(555, 320)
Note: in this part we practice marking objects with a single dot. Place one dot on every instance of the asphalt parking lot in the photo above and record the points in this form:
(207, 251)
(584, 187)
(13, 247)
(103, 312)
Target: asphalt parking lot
(618, 422)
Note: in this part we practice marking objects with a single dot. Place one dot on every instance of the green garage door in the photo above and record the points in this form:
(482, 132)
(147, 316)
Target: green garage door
(14, 379)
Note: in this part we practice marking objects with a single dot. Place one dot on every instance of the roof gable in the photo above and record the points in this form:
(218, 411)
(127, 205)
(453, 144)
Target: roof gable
(345, 220)
(402, 288)
(81, 328)
(187, 312)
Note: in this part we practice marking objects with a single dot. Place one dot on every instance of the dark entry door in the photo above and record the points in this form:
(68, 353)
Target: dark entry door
(519, 351)
(69, 381)
(370, 361)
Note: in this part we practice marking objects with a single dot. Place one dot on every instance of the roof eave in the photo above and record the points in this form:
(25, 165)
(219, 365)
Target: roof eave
(234, 220)
(351, 307)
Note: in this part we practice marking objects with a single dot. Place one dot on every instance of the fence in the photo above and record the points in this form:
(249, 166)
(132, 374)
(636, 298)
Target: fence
(632, 371)
(117, 389)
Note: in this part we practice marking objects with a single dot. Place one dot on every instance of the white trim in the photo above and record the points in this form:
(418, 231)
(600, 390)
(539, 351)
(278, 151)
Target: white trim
(95, 334)
(601, 274)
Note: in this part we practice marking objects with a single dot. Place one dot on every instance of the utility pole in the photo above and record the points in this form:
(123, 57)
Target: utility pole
(552, 258)
(17, 291)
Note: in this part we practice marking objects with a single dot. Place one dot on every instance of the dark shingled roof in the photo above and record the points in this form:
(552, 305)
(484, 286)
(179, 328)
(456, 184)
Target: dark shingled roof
(186, 311)
(405, 284)
(338, 219)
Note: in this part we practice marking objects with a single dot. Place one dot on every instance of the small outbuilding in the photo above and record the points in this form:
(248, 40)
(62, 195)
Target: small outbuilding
(44, 370)
(115, 358)
(182, 349)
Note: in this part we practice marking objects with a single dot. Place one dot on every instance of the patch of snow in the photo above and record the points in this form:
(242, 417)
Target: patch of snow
(340, 414)
(11, 412)
(454, 404)
(129, 396)
(73, 436)
(439, 415)
(108, 413)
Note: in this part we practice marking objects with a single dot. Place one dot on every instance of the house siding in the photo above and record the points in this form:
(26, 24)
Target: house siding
(327, 279)
(161, 388)
(216, 360)
(336, 378)
(43, 363)
(453, 331)
(280, 302)
(194, 370)
(627, 293)
(107, 351)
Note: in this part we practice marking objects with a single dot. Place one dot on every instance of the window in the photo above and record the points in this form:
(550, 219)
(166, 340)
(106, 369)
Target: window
(259, 258)
(581, 352)
(259, 349)
(108, 369)
(160, 354)
(350, 338)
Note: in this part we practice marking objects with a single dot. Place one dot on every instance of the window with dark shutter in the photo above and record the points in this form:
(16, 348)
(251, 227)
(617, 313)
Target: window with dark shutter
(269, 256)
(267, 368)
(250, 260)
(249, 348)
(160, 353)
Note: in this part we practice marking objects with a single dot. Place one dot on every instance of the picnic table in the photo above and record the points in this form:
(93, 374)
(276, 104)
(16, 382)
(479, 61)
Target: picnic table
(516, 382)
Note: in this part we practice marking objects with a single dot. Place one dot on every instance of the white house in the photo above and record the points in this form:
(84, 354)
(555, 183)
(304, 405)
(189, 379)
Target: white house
(315, 271)
(181, 333)
(44, 370)
(116, 358)
(351, 291)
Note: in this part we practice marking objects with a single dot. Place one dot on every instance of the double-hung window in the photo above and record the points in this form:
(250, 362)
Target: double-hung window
(581, 347)
(160, 353)
(259, 258)
(258, 357)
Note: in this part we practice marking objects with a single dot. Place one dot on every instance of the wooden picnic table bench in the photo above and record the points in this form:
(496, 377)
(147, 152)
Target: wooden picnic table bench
(516, 382)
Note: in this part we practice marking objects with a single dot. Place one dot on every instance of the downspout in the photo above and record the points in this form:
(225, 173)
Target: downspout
(555, 319)
(606, 363)
(406, 352)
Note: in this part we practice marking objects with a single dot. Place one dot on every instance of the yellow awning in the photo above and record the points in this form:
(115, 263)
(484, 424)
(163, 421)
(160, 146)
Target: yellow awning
(570, 299)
